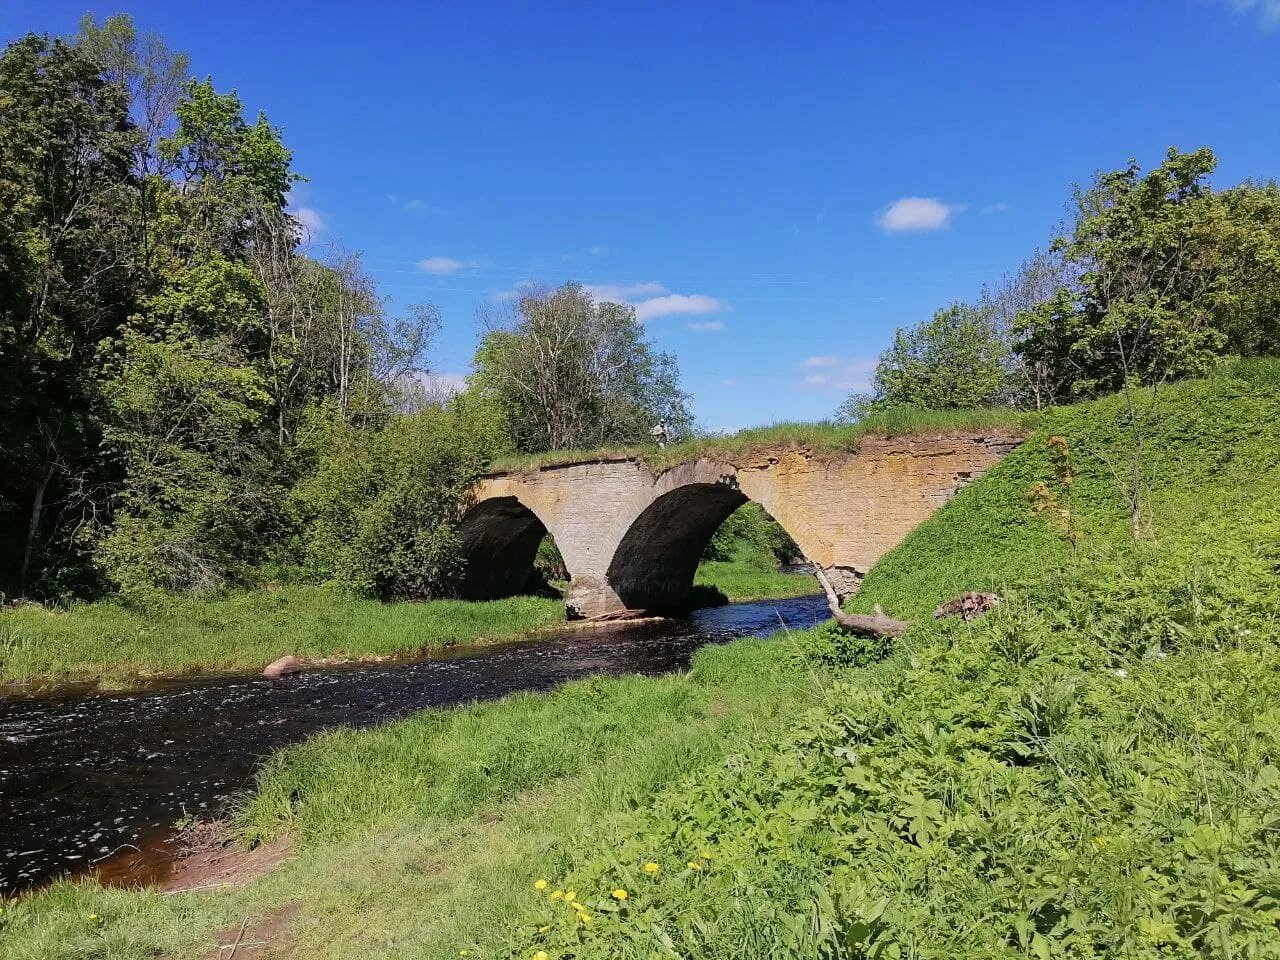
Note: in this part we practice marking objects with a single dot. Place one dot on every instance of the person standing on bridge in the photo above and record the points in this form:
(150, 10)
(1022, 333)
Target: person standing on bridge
(661, 433)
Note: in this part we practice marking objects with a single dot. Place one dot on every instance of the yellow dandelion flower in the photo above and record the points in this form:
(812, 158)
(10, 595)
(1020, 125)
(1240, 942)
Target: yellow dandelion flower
(464, 953)
(540, 884)
(541, 955)
(651, 867)
(1100, 842)
(556, 894)
(570, 897)
(93, 916)
(694, 865)
(585, 918)
(619, 894)
(545, 929)
(705, 854)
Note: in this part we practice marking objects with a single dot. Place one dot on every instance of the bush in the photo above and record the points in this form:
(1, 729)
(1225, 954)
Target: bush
(378, 513)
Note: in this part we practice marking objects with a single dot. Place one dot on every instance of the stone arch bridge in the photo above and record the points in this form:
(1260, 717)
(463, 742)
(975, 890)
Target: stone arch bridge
(631, 537)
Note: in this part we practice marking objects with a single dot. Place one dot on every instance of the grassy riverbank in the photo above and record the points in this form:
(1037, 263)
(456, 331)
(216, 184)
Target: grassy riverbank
(741, 580)
(1091, 771)
(118, 644)
(245, 631)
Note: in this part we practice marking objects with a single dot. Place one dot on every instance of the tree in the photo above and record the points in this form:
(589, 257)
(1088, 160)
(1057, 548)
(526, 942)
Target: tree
(1170, 276)
(956, 359)
(570, 373)
(1042, 280)
(152, 76)
(66, 259)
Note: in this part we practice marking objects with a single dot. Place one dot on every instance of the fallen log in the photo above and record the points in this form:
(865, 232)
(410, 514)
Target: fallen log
(969, 605)
(866, 625)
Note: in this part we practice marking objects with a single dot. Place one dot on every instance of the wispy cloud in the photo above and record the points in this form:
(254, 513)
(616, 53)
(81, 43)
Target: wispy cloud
(917, 214)
(422, 208)
(441, 265)
(595, 250)
(622, 293)
(652, 300)
(706, 326)
(678, 303)
(836, 372)
(444, 384)
(1267, 12)
(311, 223)
(998, 207)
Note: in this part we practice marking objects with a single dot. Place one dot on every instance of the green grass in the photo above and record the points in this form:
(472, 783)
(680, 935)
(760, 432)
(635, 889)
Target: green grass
(1091, 771)
(412, 834)
(821, 438)
(741, 580)
(245, 631)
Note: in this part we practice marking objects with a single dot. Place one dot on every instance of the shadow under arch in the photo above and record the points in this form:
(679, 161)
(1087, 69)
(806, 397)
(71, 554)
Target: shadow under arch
(654, 565)
(499, 538)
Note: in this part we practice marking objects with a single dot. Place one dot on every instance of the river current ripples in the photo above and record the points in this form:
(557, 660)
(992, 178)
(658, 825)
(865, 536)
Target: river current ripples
(85, 779)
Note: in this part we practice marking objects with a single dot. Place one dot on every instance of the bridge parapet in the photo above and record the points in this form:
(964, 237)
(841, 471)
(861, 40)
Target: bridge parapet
(631, 538)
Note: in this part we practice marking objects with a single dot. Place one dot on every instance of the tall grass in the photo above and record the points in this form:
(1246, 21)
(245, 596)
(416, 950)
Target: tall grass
(821, 437)
(245, 631)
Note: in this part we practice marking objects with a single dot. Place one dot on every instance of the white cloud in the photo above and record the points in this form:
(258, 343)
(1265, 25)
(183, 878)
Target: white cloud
(916, 214)
(621, 293)
(311, 223)
(444, 384)
(1267, 11)
(441, 265)
(677, 303)
(835, 372)
(706, 326)
(998, 207)
(826, 360)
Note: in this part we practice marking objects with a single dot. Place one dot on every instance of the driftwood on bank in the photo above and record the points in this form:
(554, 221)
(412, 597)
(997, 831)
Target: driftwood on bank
(867, 625)
(970, 606)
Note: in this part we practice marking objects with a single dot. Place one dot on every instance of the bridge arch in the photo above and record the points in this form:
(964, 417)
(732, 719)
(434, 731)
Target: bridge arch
(653, 567)
(499, 538)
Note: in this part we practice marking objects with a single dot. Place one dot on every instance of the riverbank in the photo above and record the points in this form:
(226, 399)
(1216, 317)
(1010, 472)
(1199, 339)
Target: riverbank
(448, 808)
(119, 645)
(115, 645)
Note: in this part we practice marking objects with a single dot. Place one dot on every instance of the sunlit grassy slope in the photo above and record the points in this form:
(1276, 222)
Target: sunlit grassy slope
(1091, 771)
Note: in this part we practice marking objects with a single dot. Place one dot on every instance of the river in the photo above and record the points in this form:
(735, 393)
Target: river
(102, 778)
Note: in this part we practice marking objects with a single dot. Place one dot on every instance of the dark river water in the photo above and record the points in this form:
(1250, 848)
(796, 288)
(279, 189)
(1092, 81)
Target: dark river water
(101, 779)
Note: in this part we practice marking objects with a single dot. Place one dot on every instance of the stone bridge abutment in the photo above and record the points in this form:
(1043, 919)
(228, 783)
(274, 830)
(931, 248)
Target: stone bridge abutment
(632, 538)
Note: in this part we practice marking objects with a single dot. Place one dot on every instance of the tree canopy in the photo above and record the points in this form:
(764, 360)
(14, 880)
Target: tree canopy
(570, 373)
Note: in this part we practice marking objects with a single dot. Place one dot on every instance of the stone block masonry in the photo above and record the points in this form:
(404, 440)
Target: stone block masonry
(631, 538)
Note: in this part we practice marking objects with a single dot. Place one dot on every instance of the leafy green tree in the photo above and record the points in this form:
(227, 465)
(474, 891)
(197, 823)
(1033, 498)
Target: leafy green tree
(66, 262)
(570, 373)
(1171, 277)
(749, 535)
(956, 359)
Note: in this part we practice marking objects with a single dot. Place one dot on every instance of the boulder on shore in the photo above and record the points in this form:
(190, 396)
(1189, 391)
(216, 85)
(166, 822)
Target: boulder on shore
(278, 668)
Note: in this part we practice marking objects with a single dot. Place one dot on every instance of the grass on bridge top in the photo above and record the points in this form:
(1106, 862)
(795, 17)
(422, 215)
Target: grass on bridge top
(823, 436)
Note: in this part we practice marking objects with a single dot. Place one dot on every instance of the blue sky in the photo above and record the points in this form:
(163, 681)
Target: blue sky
(734, 169)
